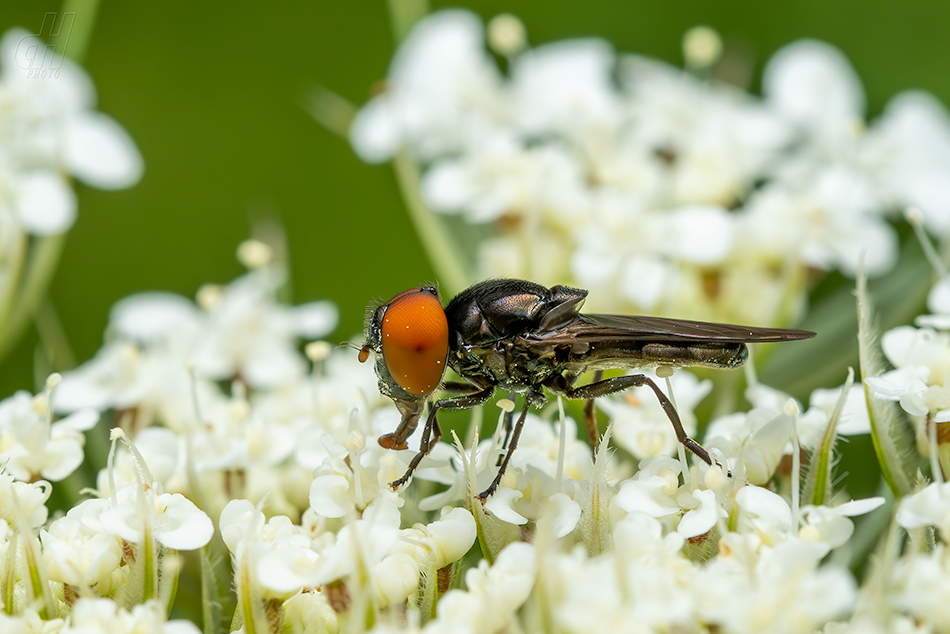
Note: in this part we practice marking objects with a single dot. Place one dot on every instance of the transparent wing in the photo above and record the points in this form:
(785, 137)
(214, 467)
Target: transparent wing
(595, 328)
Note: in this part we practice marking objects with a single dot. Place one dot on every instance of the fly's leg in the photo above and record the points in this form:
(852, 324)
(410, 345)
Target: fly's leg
(431, 432)
(559, 385)
(515, 434)
(590, 417)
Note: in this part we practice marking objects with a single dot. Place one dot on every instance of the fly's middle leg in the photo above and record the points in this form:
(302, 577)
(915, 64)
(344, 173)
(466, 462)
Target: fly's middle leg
(530, 397)
(617, 384)
(590, 417)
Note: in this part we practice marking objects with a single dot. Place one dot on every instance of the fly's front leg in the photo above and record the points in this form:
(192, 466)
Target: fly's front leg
(466, 401)
(559, 385)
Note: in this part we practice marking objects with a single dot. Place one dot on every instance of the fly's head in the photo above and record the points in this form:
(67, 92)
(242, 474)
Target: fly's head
(409, 336)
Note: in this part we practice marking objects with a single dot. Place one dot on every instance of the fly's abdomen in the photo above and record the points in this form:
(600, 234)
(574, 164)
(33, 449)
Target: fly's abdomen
(645, 354)
(712, 355)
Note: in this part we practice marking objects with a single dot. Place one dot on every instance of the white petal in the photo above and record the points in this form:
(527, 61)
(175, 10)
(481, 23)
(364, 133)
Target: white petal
(500, 506)
(643, 280)
(765, 505)
(453, 535)
(447, 185)
(82, 420)
(375, 133)
(45, 204)
(813, 83)
(316, 319)
(182, 526)
(646, 497)
(567, 512)
(330, 495)
(99, 152)
(700, 520)
(938, 300)
(151, 317)
(287, 569)
(702, 234)
(238, 519)
(859, 507)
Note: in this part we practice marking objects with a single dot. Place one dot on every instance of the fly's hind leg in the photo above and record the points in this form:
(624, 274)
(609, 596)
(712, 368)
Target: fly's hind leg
(560, 385)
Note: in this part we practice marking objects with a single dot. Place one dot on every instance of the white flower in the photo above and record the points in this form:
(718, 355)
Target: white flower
(938, 301)
(814, 85)
(26, 500)
(566, 88)
(49, 130)
(249, 335)
(639, 423)
(79, 556)
(920, 587)
(780, 589)
(830, 525)
(920, 380)
(442, 542)
(928, 507)
(655, 492)
(105, 616)
(494, 594)
(31, 448)
(173, 520)
(442, 92)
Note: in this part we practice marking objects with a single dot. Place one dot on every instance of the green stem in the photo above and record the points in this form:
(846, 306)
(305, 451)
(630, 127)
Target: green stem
(9, 580)
(43, 258)
(53, 337)
(438, 243)
(150, 569)
(10, 283)
(74, 45)
(37, 581)
(403, 15)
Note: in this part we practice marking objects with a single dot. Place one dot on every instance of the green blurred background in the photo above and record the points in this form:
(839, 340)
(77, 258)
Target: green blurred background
(214, 95)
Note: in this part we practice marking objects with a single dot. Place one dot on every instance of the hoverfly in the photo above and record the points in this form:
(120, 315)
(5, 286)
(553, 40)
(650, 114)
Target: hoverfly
(523, 337)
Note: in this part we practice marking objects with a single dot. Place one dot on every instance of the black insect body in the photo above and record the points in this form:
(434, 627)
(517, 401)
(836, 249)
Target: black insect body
(523, 337)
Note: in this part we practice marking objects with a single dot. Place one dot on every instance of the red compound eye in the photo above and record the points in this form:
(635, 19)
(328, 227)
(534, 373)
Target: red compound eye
(415, 340)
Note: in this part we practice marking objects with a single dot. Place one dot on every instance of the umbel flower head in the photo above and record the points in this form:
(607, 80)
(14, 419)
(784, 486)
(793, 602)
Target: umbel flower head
(657, 189)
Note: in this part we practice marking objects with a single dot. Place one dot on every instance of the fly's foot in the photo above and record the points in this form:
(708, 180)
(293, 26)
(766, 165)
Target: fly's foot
(388, 441)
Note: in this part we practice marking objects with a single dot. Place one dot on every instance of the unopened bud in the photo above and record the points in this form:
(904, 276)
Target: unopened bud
(254, 254)
(355, 440)
(702, 46)
(209, 296)
(506, 34)
(317, 351)
(53, 380)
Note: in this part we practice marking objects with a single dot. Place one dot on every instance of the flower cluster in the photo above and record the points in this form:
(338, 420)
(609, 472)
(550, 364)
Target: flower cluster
(658, 189)
(50, 131)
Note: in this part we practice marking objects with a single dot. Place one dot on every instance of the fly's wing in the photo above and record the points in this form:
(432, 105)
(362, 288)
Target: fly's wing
(597, 328)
